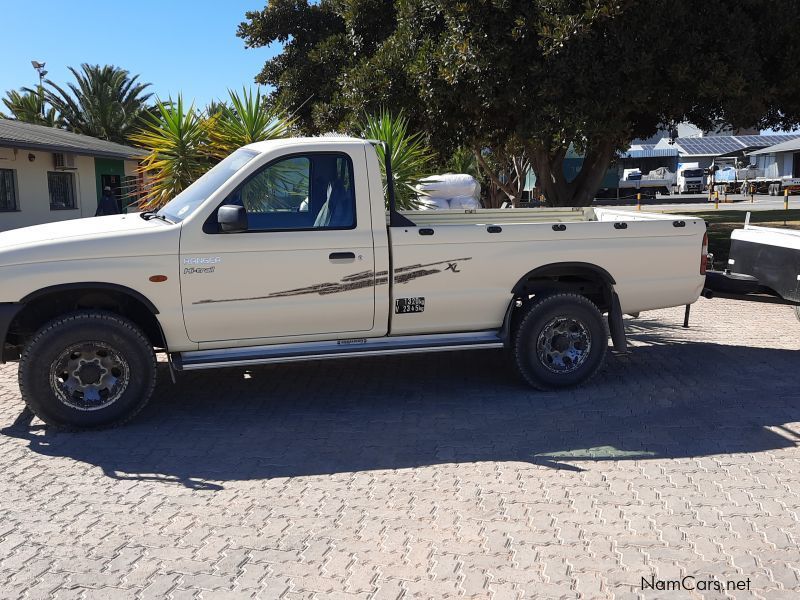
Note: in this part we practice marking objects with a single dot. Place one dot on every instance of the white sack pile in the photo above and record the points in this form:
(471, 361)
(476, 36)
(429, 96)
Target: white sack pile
(452, 191)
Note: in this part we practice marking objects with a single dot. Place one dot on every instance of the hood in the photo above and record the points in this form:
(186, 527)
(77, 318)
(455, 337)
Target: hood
(92, 237)
(62, 230)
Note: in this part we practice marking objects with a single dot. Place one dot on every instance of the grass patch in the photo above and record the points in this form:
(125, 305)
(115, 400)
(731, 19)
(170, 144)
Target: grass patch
(722, 222)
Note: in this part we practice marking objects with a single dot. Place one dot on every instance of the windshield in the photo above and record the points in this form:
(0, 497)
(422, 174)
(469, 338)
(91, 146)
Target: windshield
(693, 173)
(185, 203)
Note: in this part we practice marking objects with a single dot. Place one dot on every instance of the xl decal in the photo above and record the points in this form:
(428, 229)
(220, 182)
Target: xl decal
(358, 281)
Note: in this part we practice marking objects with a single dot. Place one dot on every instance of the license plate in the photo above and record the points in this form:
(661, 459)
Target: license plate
(409, 305)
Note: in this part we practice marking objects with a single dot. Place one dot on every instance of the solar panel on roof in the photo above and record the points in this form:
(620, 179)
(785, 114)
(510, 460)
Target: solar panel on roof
(709, 145)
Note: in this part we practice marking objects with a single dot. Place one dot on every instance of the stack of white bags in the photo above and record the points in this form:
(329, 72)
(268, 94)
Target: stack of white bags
(449, 192)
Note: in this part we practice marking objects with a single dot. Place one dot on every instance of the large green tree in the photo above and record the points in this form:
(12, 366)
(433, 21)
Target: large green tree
(533, 77)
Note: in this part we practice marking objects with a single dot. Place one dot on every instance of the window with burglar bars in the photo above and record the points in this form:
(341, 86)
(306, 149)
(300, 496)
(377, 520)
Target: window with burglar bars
(62, 190)
(8, 191)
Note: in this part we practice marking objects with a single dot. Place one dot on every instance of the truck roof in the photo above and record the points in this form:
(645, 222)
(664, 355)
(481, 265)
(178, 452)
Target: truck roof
(303, 141)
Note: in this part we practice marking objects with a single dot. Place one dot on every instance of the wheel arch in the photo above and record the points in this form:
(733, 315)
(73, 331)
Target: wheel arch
(558, 275)
(42, 305)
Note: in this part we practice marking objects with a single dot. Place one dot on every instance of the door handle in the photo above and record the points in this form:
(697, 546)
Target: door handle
(342, 256)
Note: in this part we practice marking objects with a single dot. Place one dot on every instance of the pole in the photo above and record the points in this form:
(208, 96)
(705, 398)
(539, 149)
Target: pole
(716, 200)
(686, 316)
(41, 90)
(639, 201)
(752, 193)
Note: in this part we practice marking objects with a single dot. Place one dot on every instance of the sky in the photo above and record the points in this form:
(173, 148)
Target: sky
(176, 45)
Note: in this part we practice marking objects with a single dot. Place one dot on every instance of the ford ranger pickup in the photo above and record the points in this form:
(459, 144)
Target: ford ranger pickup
(285, 251)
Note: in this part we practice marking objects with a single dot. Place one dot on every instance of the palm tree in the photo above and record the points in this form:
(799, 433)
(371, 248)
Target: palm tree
(29, 106)
(104, 102)
(246, 119)
(412, 158)
(177, 140)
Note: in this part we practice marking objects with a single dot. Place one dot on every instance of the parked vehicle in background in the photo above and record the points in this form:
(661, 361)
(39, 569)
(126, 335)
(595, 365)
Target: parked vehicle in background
(690, 178)
(657, 181)
(749, 179)
(284, 252)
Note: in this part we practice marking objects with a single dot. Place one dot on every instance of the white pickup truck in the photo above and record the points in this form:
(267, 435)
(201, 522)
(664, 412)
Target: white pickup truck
(284, 252)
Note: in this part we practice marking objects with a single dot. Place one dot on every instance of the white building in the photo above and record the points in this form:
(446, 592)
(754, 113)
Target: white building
(48, 174)
(780, 160)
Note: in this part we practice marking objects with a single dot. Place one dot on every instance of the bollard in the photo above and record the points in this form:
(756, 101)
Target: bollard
(716, 200)
(785, 204)
(752, 193)
(638, 201)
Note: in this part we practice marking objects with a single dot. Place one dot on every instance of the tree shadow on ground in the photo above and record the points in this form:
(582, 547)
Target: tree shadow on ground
(661, 401)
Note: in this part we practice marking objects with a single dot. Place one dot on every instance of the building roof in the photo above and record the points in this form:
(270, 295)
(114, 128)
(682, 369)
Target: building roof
(17, 134)
(717, 145)
(648, 151)
(788, 146)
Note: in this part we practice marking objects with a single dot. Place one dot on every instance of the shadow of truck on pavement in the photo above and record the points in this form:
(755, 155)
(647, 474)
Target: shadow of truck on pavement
(662, 401)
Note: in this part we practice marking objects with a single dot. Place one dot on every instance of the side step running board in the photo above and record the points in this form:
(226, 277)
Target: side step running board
(344, 348)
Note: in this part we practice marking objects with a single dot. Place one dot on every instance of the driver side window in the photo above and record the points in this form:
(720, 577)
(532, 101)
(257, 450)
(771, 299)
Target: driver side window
(314, 191)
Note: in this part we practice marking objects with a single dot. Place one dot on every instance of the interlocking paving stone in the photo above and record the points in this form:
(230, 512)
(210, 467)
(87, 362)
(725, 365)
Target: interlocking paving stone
(427, 477)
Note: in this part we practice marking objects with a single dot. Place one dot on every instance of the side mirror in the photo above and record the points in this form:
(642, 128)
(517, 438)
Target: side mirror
(231, 218)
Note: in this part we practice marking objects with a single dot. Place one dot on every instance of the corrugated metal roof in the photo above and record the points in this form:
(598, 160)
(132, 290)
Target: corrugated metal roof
(789, 146)
(17, 134)
(650, 153)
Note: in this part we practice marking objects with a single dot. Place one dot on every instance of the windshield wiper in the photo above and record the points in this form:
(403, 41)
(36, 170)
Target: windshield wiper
(150, 214)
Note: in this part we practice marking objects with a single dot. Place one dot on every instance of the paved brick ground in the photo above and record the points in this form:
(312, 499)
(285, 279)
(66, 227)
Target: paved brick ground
(427, 476)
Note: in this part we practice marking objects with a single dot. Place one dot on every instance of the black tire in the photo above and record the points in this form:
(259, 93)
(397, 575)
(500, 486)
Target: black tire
(586, 336)
(87, 370)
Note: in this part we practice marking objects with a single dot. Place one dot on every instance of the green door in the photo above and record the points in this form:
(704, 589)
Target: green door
(110, 172)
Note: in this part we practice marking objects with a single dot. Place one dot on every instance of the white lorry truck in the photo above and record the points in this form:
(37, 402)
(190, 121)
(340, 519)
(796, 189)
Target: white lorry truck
(690, 179)
(283, 252)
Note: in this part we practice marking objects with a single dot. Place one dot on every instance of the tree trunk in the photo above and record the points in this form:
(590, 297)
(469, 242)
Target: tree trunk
(549, 168)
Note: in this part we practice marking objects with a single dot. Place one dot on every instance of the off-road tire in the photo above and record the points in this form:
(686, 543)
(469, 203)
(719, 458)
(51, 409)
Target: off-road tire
(49, 343)
(538, 315)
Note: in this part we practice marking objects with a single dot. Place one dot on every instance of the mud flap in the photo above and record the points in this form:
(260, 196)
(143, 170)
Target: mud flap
(616, 326)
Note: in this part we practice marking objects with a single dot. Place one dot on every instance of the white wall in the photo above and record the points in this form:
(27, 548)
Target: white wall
(788, 158)
(33, 198)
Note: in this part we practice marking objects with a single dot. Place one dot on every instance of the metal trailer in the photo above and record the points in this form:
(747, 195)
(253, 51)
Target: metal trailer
(746, 180)
(764, 266)
(773, 186)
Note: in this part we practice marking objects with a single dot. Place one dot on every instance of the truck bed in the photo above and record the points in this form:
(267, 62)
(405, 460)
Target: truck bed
(522, 216)
(462, 263)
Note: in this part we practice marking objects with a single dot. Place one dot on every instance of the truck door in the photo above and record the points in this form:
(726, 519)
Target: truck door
(305, 265)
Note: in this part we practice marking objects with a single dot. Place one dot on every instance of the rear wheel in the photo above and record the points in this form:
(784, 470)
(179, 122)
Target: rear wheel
(561, 342)
(86, 370)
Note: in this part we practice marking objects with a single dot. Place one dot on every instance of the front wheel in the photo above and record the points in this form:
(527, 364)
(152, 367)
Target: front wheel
(86, 370)
(560, 342)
